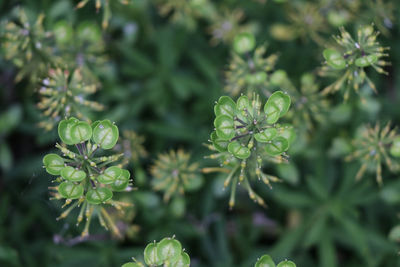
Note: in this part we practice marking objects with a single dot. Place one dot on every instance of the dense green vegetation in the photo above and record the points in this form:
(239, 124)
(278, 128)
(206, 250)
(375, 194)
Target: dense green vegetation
(255, 132)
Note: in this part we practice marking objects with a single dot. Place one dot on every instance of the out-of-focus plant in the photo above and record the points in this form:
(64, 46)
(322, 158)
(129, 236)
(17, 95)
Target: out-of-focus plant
(245, 136)
(82, 47)
(174, 174)
(249, 69)
(347, 62)
(105, 4)
(374, 147)
(9, 120)
(266, 261)
(27, 45)
(84, 180)
(131, 145)
(63, 95)
(168, 252)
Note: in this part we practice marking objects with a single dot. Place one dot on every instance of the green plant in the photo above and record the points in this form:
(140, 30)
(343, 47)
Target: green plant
(266, 261)
(348, 61)
(374, 147)
(245, 135)
(84, 180)
(62, 95)
(167, 252)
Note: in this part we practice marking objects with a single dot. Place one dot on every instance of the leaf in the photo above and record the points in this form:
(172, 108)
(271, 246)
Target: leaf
(225, 106)
(109, 175)
(238, 150)
(70, 190)
(334, 59)
(73, 175)
(105, 134)
(266, 135)
(225, 127)
(53, 163)
(98, 195)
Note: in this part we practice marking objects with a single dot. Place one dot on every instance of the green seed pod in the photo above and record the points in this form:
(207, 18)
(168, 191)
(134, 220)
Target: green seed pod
(98, 195)
(272, 112)
(334, 59)
(395, 148)
(105, 134)
(64, 131)
(53, 163)
(151, 255)
(256, 78)
(243, 102)
(281, 100)
(131, 264)
(225, 127)
(169, 250)
(288, 133)
(219, 144)
(244, 42)
(366, 61)
(278, 77)
(73, 175)
(81, 131)
(183, 261)
(286, 263)
(70, 190)
(265, 261)
(62, 32)
(266, 135)
(277, 146)
(239, 151)
(89, 32)
(225, 106)
(109, 175)
(122, 181)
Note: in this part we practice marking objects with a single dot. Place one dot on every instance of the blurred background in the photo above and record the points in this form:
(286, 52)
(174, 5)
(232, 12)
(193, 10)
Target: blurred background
(159, 67)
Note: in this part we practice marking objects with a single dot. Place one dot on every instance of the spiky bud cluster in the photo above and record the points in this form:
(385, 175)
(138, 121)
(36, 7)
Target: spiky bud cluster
(174, 173)
(374, 147)
(83, 179)
(63, 95)
(351, 57)
(131, 145)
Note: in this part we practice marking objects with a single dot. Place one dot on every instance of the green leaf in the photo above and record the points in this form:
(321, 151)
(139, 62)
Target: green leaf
(225, 106)
(122, 181)
(279, 99)
(98, 195)
(265, 261)
(73, 175)
(151, 255)
(244, 42)
(64, 131)
(334, 59)
(286, 263)
(238, 150)
(225, 127)
(81, 131)
(169, 249)
(70, 190)
(266, 135)
(277, 146)
(366, 60)
(53, 163)
(395, 147)
(109, 175)
(219, 144)
(105, 134)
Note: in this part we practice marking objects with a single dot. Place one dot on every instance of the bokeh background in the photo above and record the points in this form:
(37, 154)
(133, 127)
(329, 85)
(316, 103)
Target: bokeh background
(164, 67)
